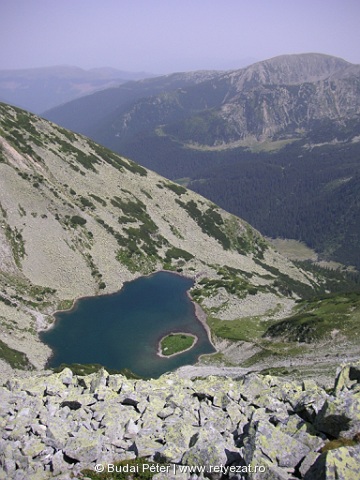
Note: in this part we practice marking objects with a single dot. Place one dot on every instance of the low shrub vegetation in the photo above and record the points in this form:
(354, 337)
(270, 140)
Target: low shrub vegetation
(14, 358)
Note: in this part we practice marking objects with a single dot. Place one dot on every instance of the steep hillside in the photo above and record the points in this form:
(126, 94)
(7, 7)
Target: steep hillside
(79, 220)
(276, 143)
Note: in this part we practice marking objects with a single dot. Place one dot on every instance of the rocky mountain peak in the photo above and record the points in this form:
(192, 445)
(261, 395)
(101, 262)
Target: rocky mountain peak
(288, 70)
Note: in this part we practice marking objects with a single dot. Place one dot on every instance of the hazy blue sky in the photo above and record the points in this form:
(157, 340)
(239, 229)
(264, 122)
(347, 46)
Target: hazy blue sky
(164, 36)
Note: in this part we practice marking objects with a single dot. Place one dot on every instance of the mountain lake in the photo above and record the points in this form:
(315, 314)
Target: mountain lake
(123, 330)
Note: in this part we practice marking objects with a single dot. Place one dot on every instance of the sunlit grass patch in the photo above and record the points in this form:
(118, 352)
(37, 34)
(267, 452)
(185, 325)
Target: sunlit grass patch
(176, 343)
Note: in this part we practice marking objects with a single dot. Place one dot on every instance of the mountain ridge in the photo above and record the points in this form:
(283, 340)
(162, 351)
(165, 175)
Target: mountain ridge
(79, 220)
(294, 69)
(104, 104)
(228, 94)
(292, 121)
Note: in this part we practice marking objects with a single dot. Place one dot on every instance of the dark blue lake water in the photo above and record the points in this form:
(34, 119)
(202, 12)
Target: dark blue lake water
(122, 330)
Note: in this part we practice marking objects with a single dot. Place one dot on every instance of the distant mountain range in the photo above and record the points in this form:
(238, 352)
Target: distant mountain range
(280, 98)
(39, 89)
(95, 113)
(276, 143)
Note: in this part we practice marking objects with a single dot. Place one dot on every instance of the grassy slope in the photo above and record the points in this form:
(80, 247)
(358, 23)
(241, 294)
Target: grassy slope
(80, 220)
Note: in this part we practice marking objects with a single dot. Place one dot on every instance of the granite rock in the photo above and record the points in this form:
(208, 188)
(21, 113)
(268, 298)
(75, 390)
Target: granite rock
(55, 426)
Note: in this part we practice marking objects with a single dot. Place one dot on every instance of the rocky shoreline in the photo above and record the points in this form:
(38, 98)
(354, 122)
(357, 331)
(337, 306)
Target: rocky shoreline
(55, 426)
(201, 316)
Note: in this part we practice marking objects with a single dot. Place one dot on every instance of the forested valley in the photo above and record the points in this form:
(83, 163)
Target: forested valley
(301, 191)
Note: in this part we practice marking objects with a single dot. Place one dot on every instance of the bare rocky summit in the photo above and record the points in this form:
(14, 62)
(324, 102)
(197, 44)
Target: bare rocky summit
(277, 99)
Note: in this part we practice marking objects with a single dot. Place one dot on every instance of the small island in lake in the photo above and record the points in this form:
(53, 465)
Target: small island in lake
(176, 343)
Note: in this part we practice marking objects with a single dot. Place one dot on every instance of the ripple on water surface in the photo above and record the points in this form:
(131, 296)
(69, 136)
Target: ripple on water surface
(123, 330)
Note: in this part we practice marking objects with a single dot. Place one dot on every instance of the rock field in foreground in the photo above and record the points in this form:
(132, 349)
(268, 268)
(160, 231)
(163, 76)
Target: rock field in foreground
(57, 425)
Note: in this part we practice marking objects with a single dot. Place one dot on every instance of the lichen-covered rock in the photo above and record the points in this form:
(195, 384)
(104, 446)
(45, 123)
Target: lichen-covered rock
(339, 464)
(207, 449)
(83, 447)
(116, 382)
(265, 440)
(56, 432)
(310, 402)
(58, 464)
(214, 415)
(347, 377)
(146, 446)
(53, 426)
(340, 415)
(303, 432)
(308, 462)
(177, 441)
(253, 387)
(131, 429)
(151, 422)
